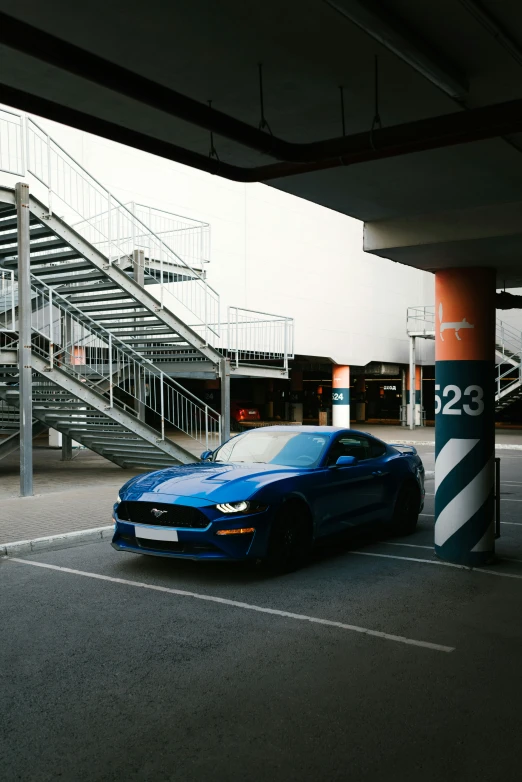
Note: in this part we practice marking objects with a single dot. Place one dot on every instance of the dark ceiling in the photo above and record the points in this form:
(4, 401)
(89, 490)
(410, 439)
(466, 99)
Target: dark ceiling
(211, 50)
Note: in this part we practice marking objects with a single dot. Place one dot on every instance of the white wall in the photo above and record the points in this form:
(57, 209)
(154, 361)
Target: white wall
(275, 252)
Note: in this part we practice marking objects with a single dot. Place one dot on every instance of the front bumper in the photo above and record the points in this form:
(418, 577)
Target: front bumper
(198, 544)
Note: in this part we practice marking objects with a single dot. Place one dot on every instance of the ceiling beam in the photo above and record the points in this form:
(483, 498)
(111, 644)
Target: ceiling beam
(448, 130)
(394, 34)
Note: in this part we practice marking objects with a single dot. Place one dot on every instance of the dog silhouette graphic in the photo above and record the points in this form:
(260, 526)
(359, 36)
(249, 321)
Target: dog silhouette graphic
(456, 326)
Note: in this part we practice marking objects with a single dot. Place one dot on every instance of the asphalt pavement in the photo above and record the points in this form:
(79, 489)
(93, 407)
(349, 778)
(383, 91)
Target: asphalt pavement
(375, 662)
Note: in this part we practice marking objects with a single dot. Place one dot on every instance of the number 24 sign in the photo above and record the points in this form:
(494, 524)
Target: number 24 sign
(474, 405)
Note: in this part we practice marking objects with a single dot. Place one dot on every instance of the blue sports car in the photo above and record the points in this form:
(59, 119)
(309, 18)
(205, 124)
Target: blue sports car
(269, 494)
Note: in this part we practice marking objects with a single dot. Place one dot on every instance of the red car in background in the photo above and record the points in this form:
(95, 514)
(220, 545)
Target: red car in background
(241, 412)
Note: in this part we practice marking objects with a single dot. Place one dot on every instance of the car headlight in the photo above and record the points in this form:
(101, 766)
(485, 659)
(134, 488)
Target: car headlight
(118, 499)
(234, 507)
(241, 507)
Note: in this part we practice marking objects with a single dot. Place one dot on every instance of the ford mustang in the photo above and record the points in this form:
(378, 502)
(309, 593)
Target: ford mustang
(268, 494)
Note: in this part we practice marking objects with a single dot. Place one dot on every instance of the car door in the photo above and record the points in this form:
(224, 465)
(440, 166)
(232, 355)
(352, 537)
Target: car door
(348, 493)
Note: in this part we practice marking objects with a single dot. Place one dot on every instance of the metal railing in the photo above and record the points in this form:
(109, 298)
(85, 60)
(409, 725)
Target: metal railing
(188, 238)
(8, 300)
(172, 245)
(70, 340)
(253, 336)
(103, 220)
(12, 149)
(421, 321)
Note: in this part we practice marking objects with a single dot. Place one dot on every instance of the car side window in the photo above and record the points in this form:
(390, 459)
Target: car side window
(350, 445)
(377, 449)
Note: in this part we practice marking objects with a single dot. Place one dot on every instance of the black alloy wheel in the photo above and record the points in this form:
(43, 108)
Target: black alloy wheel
(290, 539)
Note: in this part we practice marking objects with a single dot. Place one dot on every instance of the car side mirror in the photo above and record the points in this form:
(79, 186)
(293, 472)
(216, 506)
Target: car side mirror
(205, 456)
(346, 461)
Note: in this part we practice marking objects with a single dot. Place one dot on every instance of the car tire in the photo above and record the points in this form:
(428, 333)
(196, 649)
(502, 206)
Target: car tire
(406, 510)
(291, 539)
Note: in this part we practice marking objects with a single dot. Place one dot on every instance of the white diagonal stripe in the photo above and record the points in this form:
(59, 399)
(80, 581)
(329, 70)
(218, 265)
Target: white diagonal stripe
(451, 454)
(487, 541)
(464, 505)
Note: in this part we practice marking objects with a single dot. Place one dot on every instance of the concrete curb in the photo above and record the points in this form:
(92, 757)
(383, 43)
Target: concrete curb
(56, 541)
(498, 446)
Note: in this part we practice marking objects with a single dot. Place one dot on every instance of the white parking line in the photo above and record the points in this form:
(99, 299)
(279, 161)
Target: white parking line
(437, 562)
(417, 545)
(509, 523)
(224, 601)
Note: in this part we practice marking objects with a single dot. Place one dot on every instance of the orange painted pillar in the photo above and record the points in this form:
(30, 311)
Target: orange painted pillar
(341, 396)
(464, 415)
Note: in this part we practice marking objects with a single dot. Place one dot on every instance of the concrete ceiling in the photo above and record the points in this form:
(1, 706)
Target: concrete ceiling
(211, 50)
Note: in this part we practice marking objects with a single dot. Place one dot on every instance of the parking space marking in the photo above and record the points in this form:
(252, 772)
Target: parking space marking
(237, 604)
(408, 545)
(510, 523)
(438, 562)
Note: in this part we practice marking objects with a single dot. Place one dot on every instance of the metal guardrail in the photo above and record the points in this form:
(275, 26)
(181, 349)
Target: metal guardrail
(171, 244)
(70, 340)
(188, 238)
(421, 321)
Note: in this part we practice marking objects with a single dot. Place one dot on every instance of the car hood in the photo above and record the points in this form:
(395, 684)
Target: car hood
(208, 481)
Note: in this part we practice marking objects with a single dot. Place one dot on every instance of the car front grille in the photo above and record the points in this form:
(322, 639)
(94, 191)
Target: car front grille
(173, 515)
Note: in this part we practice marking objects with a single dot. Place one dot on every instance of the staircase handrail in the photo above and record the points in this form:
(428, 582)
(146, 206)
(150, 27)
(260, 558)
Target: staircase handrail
(211, 297)
(174, 403)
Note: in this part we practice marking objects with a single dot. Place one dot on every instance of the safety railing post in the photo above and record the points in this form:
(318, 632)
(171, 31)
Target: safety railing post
(49, 176)
(162, 407)
(206, 427)
(285, 359)
(237, 337)
(111, 398)
(109, 247)
(12, 302)
(51, 335)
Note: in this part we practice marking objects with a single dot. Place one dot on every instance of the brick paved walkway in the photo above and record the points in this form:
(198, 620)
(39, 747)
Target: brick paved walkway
(68, 496)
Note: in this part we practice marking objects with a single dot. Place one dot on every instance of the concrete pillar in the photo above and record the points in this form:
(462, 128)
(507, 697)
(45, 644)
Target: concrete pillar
(464, 415)
(404, 406)
(67, 445)
(24, 340)
(341, 396)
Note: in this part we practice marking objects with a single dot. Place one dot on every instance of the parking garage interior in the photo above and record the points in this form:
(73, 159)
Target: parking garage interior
(385, 657)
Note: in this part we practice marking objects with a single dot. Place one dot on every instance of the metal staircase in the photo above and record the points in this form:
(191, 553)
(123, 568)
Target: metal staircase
(118, 310)
(508, 348)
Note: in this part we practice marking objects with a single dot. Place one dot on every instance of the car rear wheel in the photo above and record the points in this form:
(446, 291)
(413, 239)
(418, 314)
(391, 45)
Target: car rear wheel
(291, 539)
(406, 511)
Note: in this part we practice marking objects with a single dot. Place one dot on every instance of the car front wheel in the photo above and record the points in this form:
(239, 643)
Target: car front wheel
(291, 539)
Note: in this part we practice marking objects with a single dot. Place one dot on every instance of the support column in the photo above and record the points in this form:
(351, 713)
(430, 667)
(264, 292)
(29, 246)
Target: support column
(411, 383)
(225, 399)
(138, 269)
(138, 266)
(341, 396)
(66, 448)
(24, 337)
(404, 400)
(464, 415)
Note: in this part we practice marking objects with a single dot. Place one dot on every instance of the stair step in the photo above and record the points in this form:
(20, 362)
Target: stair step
(11, 237)
(102, 308)
(99, 287)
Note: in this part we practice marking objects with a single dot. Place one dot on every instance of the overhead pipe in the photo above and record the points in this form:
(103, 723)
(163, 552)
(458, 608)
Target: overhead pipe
(421, 135)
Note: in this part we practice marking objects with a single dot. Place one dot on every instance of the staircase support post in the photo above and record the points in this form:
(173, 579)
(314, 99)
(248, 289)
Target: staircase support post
(66, 448)
(225, 399)
(24, 340)
(412, 383)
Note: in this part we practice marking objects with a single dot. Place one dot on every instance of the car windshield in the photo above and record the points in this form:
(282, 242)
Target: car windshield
(289, 449)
